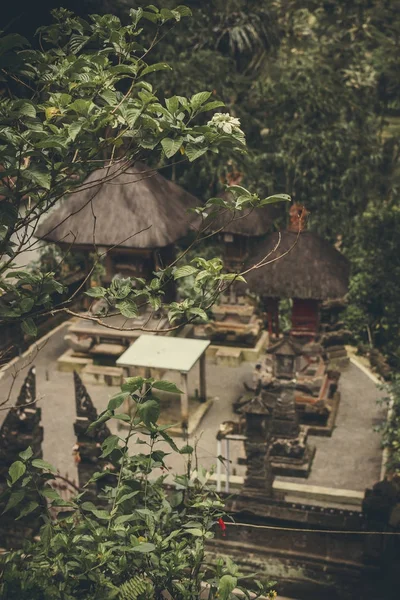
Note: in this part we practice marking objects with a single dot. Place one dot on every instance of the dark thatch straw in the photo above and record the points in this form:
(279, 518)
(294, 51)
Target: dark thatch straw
(256, 222)
(131, 202)
(313, 269)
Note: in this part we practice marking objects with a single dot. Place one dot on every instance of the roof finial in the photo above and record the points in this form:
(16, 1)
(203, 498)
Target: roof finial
(298, 216)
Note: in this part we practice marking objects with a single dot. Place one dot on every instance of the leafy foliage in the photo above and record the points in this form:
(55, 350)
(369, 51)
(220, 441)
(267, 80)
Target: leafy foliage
(84, 99)
(390, 431)
(139, 540)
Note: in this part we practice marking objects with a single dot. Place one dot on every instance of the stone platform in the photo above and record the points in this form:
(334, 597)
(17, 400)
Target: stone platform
(232, 356)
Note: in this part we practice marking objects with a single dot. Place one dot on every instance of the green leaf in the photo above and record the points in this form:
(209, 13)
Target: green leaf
(227, 584)
(41, 178)
(199, 312)
(14, 500)
(155, 67)
(25, 108)
(29, 327)
(38, 463)
(275, 198)
(122, 417)
(172, 104)
(26, 454)
(30, 507)
(171, 147)
(105, 416)
(109, 444)
(211, 105)
(238, 189)
(46, 534)
(128, 308)
(166, 386)
(168, 439)
(117, 400)
(73, 129)
(50, 493)
(132, 384)
(145, 547)
(198, 99)
(96, 292)
(186, 450)
(149, 412)
(100, 514)
(184, 10)
(195, 532)
(16, 471)
(185, 271)
(126, 497)
(193, 152)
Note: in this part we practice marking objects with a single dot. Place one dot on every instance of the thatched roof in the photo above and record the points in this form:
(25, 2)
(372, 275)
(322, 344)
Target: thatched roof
(248, 222)
(134, 200)
(313, 269)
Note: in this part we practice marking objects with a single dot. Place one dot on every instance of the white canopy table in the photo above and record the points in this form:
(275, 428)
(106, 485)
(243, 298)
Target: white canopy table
(169, 354)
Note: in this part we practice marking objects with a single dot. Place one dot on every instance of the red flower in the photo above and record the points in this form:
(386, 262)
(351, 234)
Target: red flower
(222, 525)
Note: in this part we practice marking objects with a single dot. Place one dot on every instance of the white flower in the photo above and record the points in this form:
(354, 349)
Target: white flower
(226, 122)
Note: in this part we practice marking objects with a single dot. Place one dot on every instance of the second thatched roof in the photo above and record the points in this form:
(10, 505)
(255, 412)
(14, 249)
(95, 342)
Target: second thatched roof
(137, 199)
(313, 268)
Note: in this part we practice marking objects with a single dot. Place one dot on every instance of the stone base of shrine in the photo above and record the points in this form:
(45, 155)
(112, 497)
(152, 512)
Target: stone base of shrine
(294, 467)
(232, 356)
(326, 429)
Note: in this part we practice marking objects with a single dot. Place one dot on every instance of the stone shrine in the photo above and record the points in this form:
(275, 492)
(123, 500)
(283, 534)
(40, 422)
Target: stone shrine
(290, 453)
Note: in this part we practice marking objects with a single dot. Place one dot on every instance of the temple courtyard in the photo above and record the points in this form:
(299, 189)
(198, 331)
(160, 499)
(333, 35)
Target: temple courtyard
(349, 460)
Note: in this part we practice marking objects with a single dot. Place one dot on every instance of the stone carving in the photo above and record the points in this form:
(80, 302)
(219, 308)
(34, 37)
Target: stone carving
(259, 477)
(87, 450)
(290, 453)
(21, 428)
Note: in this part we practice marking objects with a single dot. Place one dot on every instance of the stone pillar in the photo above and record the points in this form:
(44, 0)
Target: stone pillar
(259, 477)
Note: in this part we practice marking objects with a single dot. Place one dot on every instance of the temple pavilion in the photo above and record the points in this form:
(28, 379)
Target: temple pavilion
(305, 268)
(133, 212)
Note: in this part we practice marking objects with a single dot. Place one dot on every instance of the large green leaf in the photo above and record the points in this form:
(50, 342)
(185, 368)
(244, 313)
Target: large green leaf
(29, 327)
(117, 400)
(185, 271)
(109, 444)
(132, 384)
(149, 412)
(16, 470)
(170, 146)
(227, 584)
(96, 292)
(128, 308)
(42, 464)
(26, 454)
(145, 548)
(166, 386)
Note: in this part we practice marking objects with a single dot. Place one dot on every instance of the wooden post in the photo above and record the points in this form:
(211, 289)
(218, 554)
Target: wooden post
(203, 389)
(184, 401)
(126, 408)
